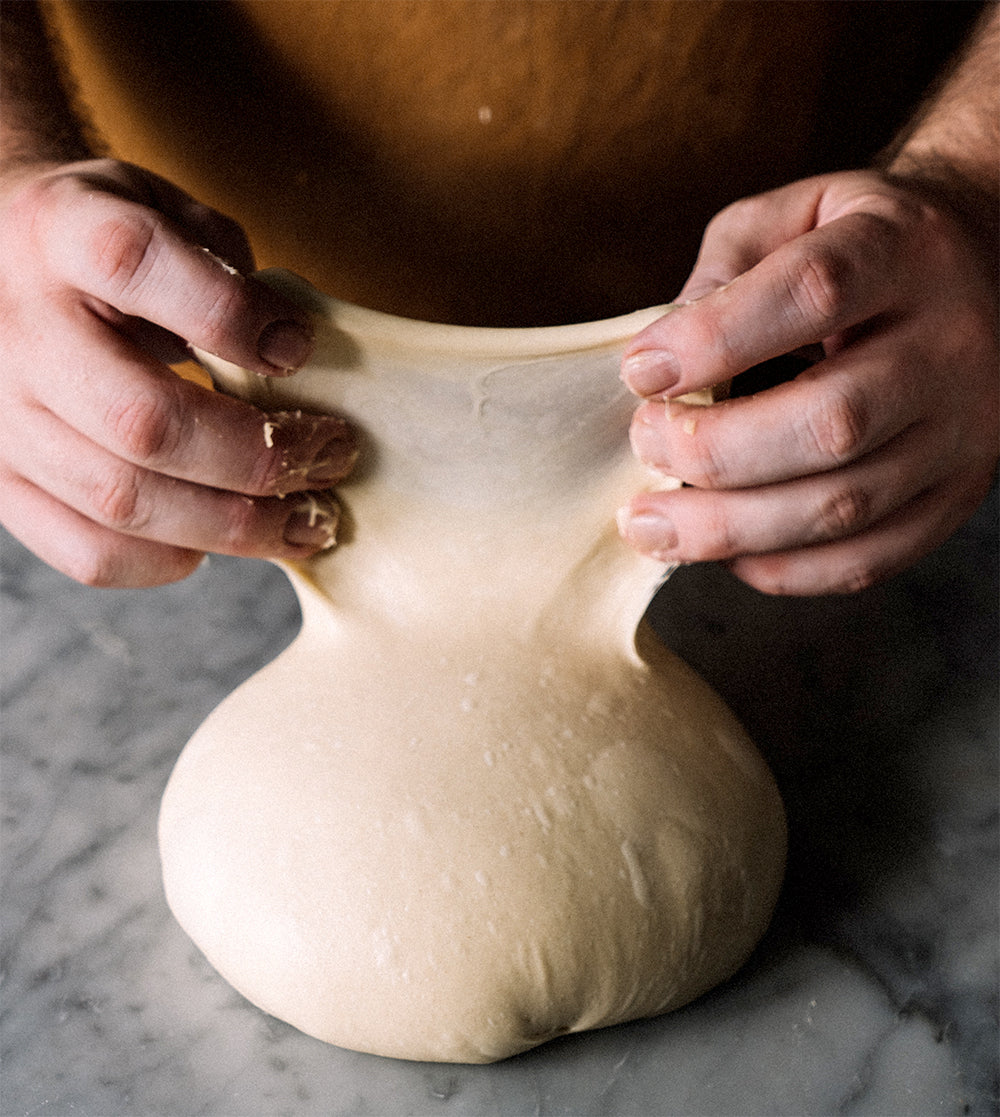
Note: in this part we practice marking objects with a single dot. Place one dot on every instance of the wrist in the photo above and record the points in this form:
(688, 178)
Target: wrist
(971, 200)
(950, 151)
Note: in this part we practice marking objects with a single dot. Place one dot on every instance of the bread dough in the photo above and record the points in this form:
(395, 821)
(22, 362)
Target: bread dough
(468, 809)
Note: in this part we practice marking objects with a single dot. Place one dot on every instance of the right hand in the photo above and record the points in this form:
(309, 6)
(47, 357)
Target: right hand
(114, 469)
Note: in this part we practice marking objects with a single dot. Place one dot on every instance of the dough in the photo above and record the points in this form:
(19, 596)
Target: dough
(468, 809)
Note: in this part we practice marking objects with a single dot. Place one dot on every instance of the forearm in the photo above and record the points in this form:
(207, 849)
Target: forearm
(37, 119)
(953, 143)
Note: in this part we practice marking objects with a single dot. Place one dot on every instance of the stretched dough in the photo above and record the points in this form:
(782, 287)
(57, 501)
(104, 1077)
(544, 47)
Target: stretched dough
(468, 809)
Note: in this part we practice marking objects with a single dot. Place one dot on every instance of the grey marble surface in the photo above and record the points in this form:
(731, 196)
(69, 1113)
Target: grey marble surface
(874, 993)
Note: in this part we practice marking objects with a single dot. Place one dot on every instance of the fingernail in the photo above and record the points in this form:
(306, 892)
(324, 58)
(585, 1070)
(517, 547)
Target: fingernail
(294, 434)
(313, 522)
(648, 532)
(649, 372)
(285, 345)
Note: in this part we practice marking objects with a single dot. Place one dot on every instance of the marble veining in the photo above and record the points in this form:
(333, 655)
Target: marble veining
(874, 993)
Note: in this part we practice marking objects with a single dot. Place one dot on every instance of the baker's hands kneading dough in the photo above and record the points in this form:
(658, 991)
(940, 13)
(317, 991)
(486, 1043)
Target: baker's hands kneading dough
(113, 468)
(871, 457)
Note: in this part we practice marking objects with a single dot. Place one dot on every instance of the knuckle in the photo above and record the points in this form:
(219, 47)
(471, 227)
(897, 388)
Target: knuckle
(884, 217)
(270, 473)
(843, 513)
(98, 570)
(46, 193)
(146, 427)
(239, 524)
(721, 223)
(122, 249)
(837, 427)
(114, 566)
(31, 204)
(716, 537)
(796, 574)
(768, 574)
(738, 214)
(700, 465)
(100, 567)
(861, 576)
(687, 446)
(227, 303)
(115, 501)
(703, 341)
(819, 282)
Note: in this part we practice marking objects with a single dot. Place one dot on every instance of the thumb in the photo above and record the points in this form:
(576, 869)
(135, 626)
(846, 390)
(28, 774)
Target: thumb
(723, 256)
(697, 286)
(747, 231)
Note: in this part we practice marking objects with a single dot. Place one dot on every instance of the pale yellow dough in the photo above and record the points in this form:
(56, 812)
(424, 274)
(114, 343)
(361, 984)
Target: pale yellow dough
(467, 810)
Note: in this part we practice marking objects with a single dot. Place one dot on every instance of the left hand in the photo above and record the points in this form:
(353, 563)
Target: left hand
(870, 458)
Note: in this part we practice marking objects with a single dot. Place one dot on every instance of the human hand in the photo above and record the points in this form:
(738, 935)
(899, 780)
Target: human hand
(871, 457)
(113, 468)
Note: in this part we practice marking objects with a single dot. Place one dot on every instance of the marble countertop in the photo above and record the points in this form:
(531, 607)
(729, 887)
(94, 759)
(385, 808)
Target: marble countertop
(875, 991)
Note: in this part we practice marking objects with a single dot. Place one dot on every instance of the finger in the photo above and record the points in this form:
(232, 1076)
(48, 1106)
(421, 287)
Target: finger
(208, 227)
(832, 413)
(215, 231)
(203, 225)
(82, 549)
(742, 234)
(132, 501)
(129, 257)
(804, 292)
(159, 343)
(858, 562)
(143, 413)
(696, 525)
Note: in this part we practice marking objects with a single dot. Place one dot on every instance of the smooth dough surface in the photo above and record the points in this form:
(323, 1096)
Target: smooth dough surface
(468, 809)
(597, 843)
